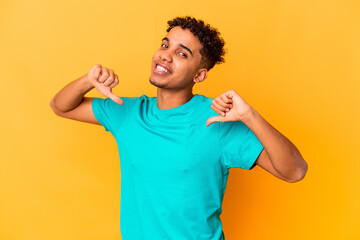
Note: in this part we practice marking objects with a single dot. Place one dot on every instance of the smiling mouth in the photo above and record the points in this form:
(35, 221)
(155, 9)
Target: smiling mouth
(161, 70)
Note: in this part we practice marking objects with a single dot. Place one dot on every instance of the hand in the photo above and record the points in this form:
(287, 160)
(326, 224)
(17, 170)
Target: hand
(230, 107)
(104, 80)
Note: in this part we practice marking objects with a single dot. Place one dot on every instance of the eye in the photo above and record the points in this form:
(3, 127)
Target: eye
(164, 45)
(182, 54)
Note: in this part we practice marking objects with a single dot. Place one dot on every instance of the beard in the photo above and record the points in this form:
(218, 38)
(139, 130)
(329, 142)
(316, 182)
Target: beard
(156, 84)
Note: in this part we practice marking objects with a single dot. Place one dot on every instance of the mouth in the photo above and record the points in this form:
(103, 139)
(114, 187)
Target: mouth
(161, 69)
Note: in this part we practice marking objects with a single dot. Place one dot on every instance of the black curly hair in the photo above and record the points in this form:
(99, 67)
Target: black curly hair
(212, 51)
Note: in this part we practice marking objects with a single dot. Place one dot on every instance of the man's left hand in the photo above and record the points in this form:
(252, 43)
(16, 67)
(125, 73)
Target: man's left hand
(230, 107)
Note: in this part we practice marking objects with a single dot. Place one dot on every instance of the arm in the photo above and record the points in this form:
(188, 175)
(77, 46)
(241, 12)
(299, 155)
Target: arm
(70, 102)
(280, 157)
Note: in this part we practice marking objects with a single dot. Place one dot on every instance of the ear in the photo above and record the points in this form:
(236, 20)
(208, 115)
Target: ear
(201, 75)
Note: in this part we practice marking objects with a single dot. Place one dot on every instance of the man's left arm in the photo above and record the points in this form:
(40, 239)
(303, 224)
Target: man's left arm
(280, 156)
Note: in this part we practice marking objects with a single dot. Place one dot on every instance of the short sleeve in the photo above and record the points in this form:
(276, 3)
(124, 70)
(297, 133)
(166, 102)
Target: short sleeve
(110, 114)
(239, 145)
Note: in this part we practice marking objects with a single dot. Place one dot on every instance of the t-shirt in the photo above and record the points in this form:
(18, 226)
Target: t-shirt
(174, 168)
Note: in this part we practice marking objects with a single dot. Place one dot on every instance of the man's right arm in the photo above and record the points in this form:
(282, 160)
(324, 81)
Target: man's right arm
(70, 102)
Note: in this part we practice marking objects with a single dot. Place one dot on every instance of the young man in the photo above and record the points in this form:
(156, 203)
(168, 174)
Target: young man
(176, 149)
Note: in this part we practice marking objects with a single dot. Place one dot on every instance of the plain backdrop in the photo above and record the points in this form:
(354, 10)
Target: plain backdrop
(296, 62)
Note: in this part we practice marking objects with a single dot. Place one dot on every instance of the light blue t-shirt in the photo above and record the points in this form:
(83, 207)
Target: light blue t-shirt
(174, 168)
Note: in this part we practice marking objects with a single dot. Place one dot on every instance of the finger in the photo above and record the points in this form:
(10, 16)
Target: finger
(216, 105)
(115, 98)
(110, 79)
(222, 103)
(95, 66)
(97, 71)
(116, 81)
(214, 119)
(104, 74)
(230, 93)
(217, 111)
(225, 98)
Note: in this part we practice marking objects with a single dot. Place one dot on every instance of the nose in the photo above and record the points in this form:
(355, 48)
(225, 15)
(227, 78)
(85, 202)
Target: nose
(166, 56)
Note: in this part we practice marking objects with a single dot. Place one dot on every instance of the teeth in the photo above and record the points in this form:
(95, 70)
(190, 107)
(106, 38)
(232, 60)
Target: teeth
(160, 68)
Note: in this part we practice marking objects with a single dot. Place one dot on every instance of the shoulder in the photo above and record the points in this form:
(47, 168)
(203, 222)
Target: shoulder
(204, 99)
(107, 103)
(204, 105)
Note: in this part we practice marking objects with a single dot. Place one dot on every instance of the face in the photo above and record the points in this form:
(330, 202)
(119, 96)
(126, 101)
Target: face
(176, 64)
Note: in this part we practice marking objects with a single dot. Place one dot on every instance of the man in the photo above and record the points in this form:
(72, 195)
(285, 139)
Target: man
(176, 149)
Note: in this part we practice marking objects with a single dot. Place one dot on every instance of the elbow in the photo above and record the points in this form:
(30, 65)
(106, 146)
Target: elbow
(54, 108)
(301, 174)
(52, 105)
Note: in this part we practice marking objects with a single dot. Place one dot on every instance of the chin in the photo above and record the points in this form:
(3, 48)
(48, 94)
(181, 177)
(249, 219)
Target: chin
(156, 84)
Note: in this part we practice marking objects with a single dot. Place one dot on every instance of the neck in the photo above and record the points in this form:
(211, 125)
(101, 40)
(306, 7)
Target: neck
(167, 99)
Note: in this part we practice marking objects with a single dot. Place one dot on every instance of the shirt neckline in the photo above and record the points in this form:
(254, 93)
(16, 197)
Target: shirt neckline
(176, 111)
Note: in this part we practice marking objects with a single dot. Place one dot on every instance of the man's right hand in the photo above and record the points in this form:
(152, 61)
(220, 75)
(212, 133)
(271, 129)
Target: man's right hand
(104, 80)
(70, 102)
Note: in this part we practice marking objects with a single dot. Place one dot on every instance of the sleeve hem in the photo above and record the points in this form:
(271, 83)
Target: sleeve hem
(250, 164)
(97, 115)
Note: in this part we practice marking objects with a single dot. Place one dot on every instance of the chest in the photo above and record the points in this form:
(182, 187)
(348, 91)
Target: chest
(171, 148)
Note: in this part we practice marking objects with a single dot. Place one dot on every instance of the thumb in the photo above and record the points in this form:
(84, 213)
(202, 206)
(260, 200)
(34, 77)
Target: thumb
(115, 98)
(214, 119)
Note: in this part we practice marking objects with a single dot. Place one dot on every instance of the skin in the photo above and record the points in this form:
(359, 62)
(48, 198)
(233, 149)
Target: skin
(279, 157)
(175, 88)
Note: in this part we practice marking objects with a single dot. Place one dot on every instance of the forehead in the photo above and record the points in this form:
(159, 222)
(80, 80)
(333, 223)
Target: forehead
(177, 35)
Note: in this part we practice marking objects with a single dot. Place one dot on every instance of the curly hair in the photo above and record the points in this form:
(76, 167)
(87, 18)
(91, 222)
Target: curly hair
(212, 51)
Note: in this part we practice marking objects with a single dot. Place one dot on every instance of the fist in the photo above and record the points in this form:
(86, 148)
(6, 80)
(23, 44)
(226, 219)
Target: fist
(104, 80)
(230, 107)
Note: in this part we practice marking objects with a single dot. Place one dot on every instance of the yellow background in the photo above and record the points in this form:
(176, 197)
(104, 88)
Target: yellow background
(296, 62)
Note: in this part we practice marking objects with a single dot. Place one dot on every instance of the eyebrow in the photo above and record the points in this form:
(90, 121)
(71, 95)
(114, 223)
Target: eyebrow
(181, 45)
